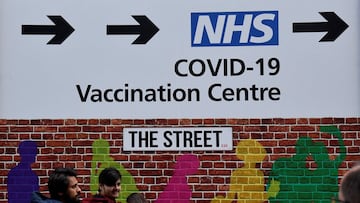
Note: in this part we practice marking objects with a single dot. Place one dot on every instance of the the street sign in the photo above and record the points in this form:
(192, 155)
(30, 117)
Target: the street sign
(188, 59)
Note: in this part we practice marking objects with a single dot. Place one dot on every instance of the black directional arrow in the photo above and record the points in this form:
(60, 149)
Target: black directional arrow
(61, 29)
(146, 29)
(334, 26)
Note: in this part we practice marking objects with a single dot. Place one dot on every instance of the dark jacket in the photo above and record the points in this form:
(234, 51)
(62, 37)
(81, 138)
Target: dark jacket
(37, 197)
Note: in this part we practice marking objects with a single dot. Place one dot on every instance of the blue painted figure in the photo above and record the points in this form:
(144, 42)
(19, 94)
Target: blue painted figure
(22, 181)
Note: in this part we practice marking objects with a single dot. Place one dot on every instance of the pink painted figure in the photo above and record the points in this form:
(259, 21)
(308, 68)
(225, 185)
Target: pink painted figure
(178, 190)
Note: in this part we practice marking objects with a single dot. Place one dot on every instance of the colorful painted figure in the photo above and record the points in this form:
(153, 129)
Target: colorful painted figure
(247, 184)
(297, 182)
(101, 159)
(178, 190)
(22, 181)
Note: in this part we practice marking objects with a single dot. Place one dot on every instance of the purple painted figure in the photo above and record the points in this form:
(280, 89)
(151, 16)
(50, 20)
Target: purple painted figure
(178, 190)
(22, 181)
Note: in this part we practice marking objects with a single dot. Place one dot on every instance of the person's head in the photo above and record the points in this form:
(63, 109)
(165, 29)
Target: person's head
(63, 185)
(350, 186)
(28, 151)
(109, 183)
(136, 198)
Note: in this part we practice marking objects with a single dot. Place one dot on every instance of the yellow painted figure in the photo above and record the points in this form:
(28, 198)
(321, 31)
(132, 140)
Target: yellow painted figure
(247, 184)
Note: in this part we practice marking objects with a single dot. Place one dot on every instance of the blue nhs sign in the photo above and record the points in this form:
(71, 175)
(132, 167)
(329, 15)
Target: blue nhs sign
(234, 28)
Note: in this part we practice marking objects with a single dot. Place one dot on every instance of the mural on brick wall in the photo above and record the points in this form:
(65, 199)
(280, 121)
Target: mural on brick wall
(290, 179)
(247, 183)
(298, 182)
(102, 159)
(177, 190)
(22, 180)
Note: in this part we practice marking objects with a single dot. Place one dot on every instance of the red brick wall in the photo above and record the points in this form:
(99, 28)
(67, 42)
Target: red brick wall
(67, 143)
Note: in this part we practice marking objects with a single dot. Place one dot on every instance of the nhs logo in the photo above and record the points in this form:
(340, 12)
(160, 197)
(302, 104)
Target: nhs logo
(234, 28)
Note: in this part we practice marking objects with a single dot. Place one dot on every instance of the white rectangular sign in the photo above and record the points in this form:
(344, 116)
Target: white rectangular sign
(179, 59)
(177, 139)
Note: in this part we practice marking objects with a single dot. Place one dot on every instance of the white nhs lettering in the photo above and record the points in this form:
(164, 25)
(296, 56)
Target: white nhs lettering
(234, 29)
(204, 23)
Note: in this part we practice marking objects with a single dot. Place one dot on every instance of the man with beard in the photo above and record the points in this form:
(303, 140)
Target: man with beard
(63, 187)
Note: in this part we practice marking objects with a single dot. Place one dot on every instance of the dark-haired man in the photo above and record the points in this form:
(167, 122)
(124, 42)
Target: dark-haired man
(109, 187)
(63, 187)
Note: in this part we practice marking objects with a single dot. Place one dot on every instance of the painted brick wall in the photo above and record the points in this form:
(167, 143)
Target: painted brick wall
(68, 143)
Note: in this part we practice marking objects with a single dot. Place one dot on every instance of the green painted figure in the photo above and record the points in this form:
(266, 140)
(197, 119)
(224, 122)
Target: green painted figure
(101, 159)
(297, 182)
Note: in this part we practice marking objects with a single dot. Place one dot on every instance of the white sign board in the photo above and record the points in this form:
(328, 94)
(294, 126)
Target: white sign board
(172, 59)
(177, 139)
